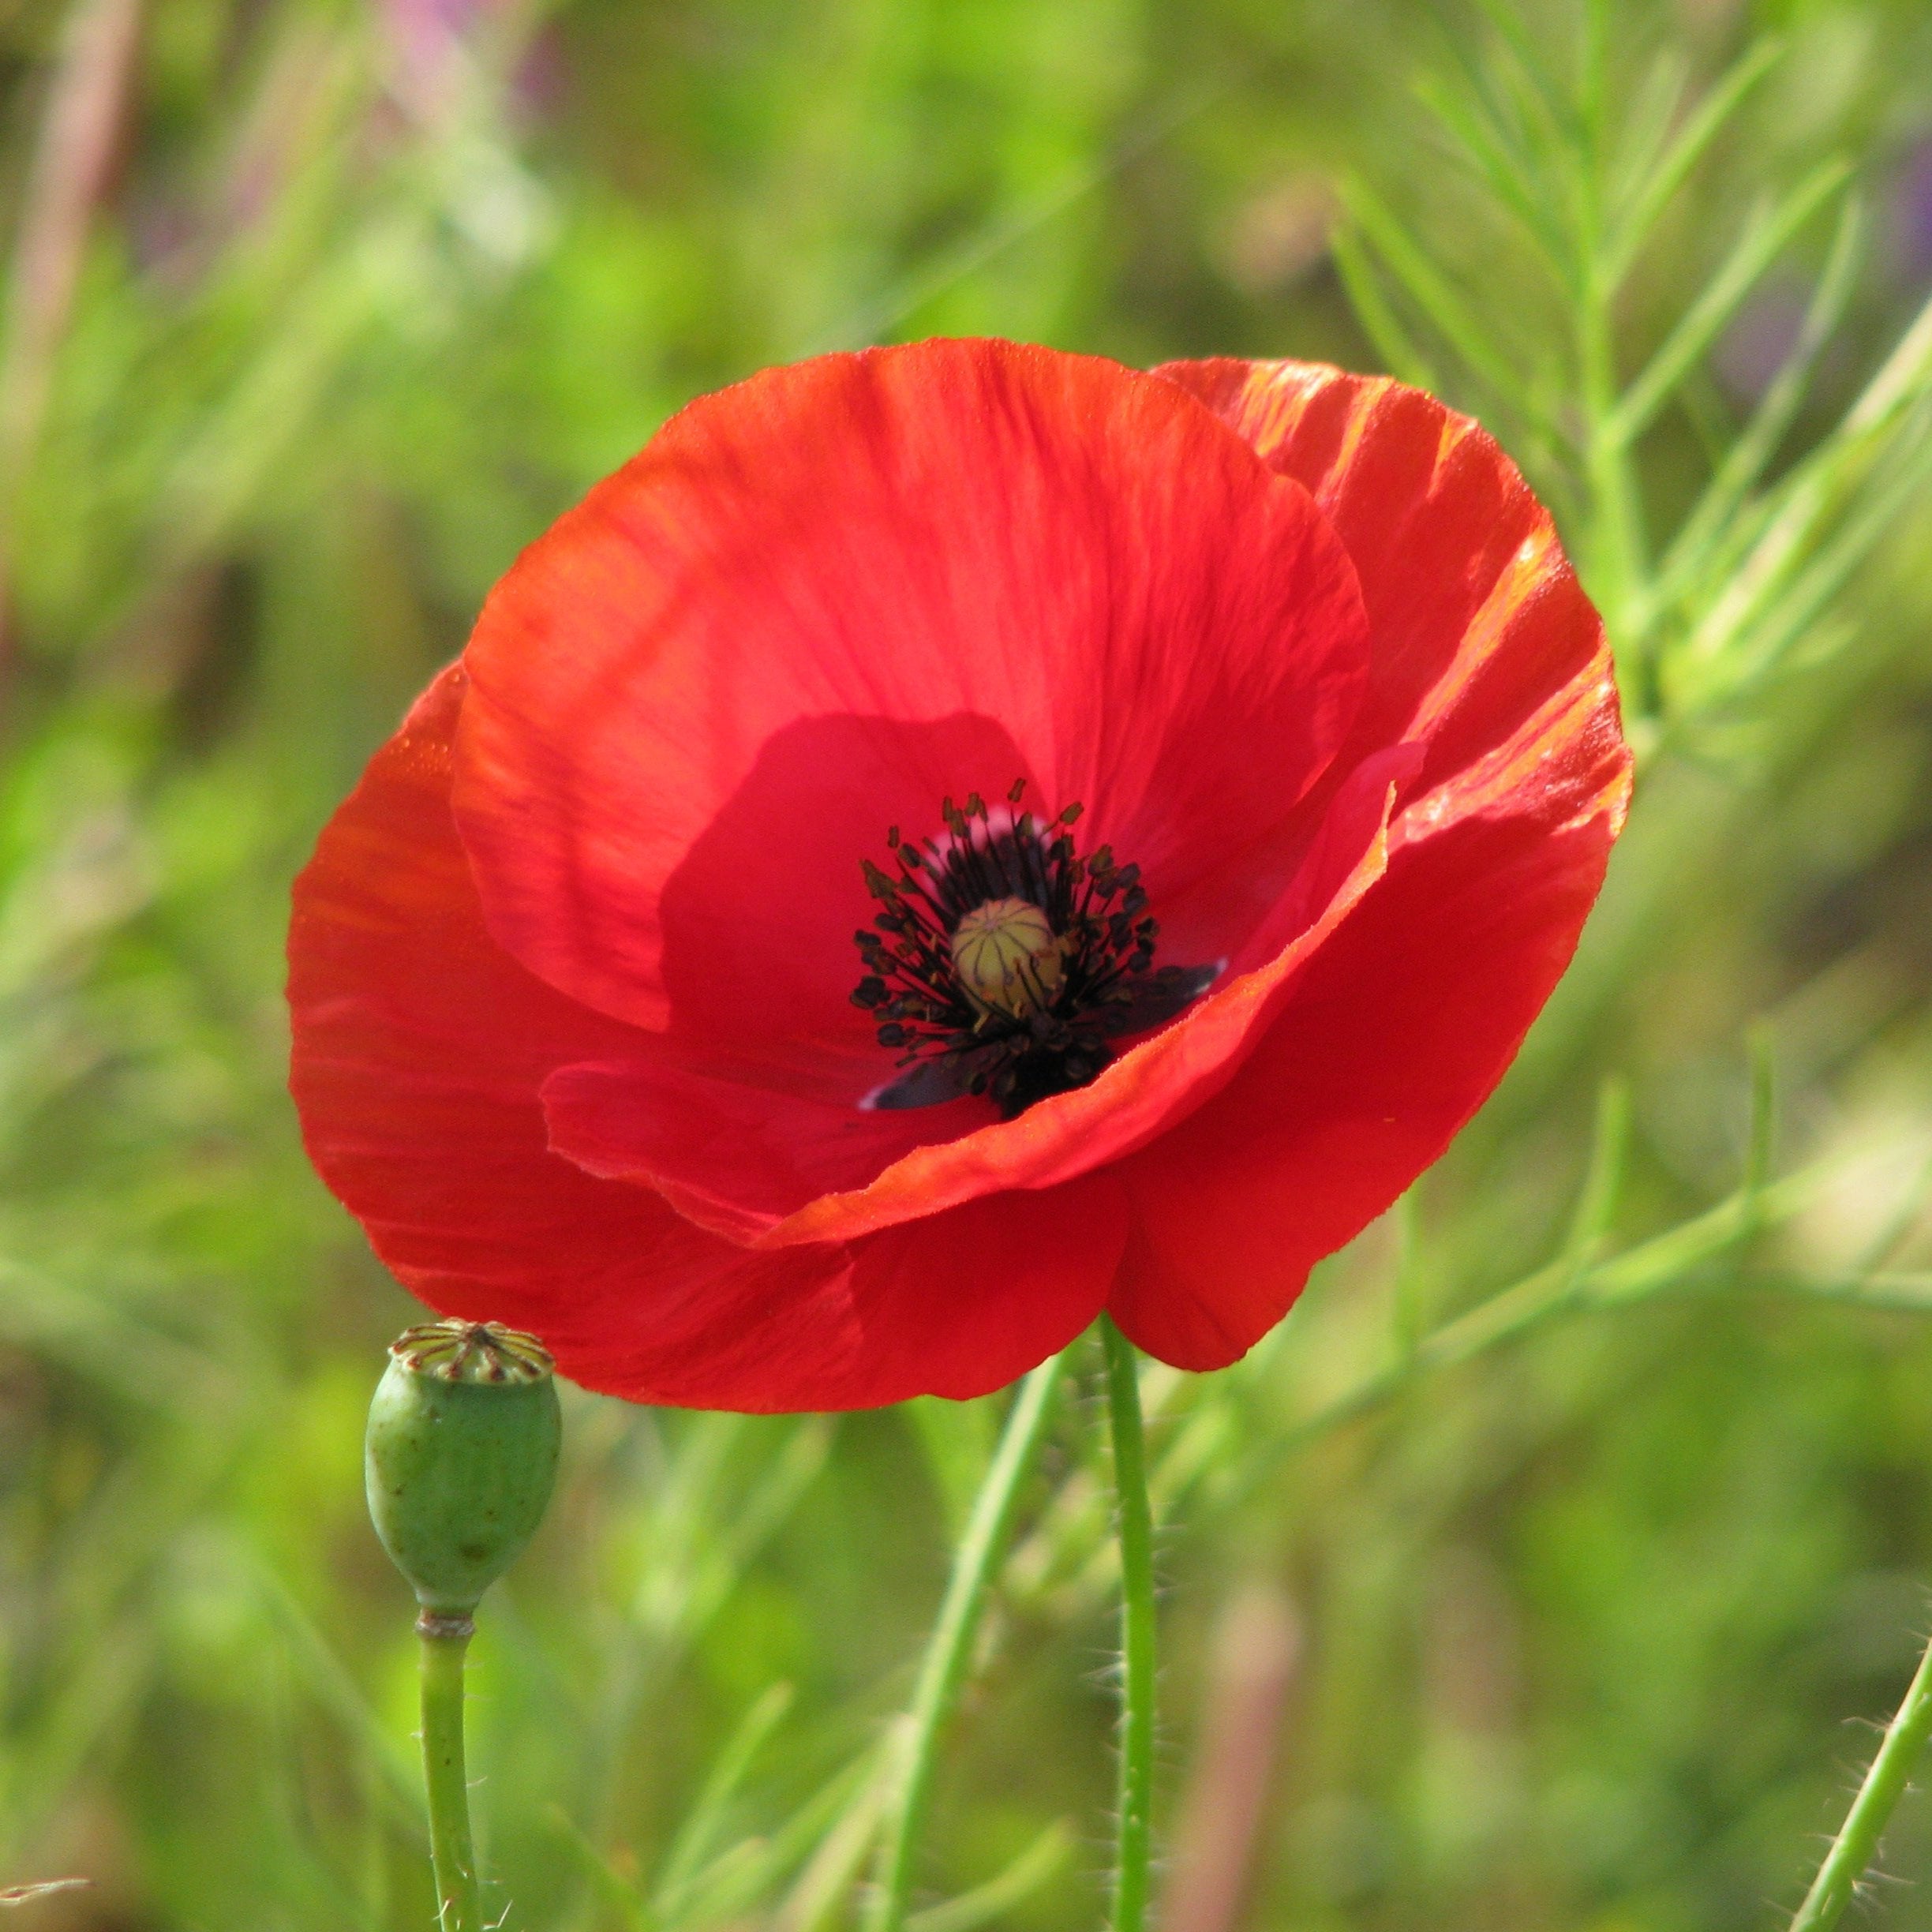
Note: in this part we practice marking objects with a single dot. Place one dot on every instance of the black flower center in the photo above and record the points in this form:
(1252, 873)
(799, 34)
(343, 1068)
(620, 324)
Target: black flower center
(1001, 962)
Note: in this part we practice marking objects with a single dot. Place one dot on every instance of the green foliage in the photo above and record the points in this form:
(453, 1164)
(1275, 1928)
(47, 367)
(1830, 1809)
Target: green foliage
(1600, 1476)
(1737, 595)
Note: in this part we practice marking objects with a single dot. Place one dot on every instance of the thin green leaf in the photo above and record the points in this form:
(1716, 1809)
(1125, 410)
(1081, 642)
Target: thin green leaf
(330, 1682)
(1701, 403)
(926, 281)
(1900, 385)
(985, 1905)
(1543, 95)
(1904, 377)
(1897, 1226)
(1485, 146)
(1631, 224)
(1752, 452)
(99, 1337)
(1765, 239)
(1903, 1293)
(1815, 588)
(739, 1879)
(958, 1438)
(1653, 1266)
(1429, 288)
(677, 1604)
(1786, 530)
(696, 1836)
(1674, 1256)
(1602, 1190)
(611, 1887)
(1384, 328)
(1517, 103)
(1754, 559)
(1647, 126)
(831, 1872)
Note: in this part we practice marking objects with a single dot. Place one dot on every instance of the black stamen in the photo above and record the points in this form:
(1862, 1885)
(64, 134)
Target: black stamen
(1052, 1025)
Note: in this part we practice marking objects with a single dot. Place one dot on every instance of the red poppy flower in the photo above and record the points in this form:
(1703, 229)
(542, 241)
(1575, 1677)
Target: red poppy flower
(947, 840)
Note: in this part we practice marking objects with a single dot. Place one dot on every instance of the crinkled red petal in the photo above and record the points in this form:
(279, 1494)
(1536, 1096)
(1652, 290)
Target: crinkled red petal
(821, 601)
(963, 1301)
(1477, 620)
(1487, 657)
(1392, 1037)
(774, 1169)
(420, 1049)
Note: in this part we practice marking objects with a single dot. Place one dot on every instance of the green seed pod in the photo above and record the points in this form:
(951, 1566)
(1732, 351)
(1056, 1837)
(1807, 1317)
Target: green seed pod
(462, 1452)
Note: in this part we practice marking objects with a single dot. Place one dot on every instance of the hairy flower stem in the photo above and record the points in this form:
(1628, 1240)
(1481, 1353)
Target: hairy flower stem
(943, 1670)
(1853, 1850)
(1134, 1844)
(444, 1641)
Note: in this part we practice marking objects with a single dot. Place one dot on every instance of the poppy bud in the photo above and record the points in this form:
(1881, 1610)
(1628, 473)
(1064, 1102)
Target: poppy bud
(461, 1451)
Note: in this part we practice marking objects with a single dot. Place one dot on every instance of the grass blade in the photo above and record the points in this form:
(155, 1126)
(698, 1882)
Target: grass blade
(1631, 224)
(1429, 288)
(1765, 239)
(1538, 90)
(611, 1887)
(1385, 329)
(988, 1903)
(1778, 553)
(1487, 149)
(1647, 127)
(1751, 454)
(736, 1879)
(695, 1836)
(1814, 589)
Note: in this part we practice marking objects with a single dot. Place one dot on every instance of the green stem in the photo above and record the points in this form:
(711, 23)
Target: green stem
(1617, 533)
(1620, 567)
(943, 1670)
(1134, 1842)
(444, 1641)
(1853, 1850)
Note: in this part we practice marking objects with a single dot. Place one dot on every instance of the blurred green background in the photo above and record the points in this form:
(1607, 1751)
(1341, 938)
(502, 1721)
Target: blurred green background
(1549, 1547)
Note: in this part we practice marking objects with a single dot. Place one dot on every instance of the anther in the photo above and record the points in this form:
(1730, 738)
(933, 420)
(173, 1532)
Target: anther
(1000, 962)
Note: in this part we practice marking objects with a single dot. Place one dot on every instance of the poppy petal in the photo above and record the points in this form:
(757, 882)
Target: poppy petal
(820, 602)
(571, 971)
(419, 1049)
(1489, 658)
(957, 1304)
(962, 1302)
(1395, 1035)
(774, 1169)
(1477, 618)
(419, 1046)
